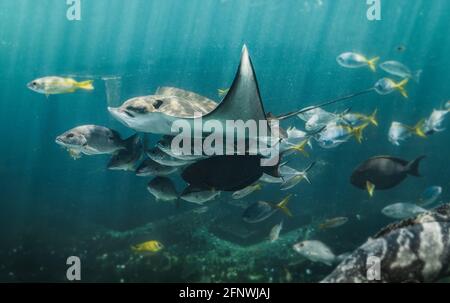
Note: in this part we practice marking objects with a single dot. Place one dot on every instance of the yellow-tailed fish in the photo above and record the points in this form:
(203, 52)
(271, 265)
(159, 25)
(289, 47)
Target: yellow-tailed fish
(355, 60)
(59, 85)
(386, 86)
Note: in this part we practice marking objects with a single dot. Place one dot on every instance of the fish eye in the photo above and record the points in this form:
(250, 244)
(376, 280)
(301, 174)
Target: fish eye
(70, 135)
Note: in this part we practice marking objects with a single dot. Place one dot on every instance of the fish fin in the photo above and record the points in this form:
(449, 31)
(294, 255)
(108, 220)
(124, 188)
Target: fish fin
(413, 167)
(417, 129)
(305, 176)
(258, 186)
(243, 100)
(373, 117)
(370, 188)
(373, 63)
(416, 76)
(358, 132)
(222, 92)
(283, 206)
(301, 147)
(272, 171)
(310, 167)
(343, 256)
(401, 87)
(86, 85)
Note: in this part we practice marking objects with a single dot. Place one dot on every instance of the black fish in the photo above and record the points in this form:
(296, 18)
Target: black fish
(384, 172)
(227, 173)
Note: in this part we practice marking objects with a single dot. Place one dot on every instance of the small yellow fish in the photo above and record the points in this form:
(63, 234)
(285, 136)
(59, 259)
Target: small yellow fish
(148, 247)
(222, 92)
(59, 85)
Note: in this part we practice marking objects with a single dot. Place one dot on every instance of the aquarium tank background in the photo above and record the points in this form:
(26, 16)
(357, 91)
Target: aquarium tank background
(54, 207)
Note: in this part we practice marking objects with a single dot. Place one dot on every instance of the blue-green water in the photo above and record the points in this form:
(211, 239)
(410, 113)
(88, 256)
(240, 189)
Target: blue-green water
(53, 207)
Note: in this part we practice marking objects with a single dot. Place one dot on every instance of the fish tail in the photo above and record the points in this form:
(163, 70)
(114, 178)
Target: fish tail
(301, 147)
(370, 188)
(401, 87)
(86, 85)
(358, 132)
(222, 91)
(413, 167)
(416, 76)
(373, 63)
(283, 206)
(373, 117)
(418, 129)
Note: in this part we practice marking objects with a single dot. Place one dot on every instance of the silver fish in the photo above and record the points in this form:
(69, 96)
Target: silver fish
(92, 140)
(127, 159)
(402, 210)
(240, 194)
(400, 70)
(162, 158)
(355, 60)
(297, 178)
(151, 168)
(275, 232)
(434, 123)
(199, 196)
(430, 195)
(398, 132)
(162, 189)
(315, 251)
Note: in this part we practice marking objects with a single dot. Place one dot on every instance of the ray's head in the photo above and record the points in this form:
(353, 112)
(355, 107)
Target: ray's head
(137, 112)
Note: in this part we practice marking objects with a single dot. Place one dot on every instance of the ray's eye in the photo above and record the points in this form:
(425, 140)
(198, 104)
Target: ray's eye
(137, 109)
(157, 104)
(70, 135)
